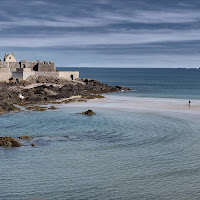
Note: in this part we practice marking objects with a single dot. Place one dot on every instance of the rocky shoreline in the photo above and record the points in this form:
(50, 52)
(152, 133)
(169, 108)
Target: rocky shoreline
(34, 91)
(25, 140)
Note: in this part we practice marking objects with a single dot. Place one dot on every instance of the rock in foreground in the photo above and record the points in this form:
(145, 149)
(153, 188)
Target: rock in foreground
(9, 142)
(8, 107)
(89, 112)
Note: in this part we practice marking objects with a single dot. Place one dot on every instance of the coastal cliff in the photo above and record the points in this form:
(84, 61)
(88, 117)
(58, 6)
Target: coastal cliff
(46, 90)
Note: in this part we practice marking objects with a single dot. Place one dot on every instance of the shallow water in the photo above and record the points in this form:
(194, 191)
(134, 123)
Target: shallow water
(120, 153)
(111, 155)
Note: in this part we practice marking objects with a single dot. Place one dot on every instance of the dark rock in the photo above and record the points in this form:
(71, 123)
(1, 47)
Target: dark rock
(9, 142)
(8, 107)
(52, 108)
(95, 96)
(119, 87)
(32, 144)
(25, 137)
(36, 108)
(88, 112)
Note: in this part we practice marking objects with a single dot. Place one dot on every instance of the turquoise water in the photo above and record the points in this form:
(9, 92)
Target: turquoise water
(111, 155)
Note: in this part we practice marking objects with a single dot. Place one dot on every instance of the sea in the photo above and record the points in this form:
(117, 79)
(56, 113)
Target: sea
(113, 155)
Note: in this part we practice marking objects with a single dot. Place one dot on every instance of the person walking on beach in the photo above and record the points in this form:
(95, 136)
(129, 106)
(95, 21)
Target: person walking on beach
(189, 104)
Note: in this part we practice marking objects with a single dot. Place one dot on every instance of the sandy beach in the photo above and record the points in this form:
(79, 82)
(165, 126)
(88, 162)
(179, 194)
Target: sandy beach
(142, 104)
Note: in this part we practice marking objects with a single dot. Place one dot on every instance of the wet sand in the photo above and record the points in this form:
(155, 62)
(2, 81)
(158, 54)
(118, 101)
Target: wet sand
(142, 104)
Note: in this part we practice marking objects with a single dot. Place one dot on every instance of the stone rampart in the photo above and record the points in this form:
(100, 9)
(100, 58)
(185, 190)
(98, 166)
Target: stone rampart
(13, 66)
(4, 65)
(64, 75)
(34, 66)
(46, 67)
(24, 69)
(69, 75)
(5, 74)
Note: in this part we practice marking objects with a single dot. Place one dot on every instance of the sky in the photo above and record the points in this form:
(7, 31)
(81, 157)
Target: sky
(102, 33)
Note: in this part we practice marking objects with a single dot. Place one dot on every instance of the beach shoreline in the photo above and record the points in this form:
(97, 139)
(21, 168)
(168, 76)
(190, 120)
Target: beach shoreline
(140, 104)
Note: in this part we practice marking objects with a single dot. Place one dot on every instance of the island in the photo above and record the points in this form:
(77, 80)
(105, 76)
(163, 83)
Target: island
(29, 84)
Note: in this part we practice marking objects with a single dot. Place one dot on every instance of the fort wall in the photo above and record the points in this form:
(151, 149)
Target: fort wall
(14, 65)
(25, 73)
(35, 65)
(24, 69)
(4, 65)
(5, 74)
(64, 75)
(37, 74)
(69, 75)
(46, 66)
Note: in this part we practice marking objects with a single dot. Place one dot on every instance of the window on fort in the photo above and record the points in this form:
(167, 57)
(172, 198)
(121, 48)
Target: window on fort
(10, 57)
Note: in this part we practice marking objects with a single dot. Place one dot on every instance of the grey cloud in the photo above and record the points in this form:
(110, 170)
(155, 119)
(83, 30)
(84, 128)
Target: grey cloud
(92, 26)
(151, 17)
(126, 38)
(103, 19)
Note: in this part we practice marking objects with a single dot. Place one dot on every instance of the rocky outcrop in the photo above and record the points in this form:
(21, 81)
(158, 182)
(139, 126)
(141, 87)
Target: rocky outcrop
(36, 108)
(89, 112)
(33, 80)
(9, 142)
(52, 108)
(25, 137)
(8, 107)
(44, 90)
(95, 96)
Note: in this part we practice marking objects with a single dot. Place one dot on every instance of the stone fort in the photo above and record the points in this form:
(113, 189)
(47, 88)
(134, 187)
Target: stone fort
(9, 68)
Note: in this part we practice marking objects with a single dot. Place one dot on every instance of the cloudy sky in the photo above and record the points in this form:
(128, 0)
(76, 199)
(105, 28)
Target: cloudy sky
(102, 33)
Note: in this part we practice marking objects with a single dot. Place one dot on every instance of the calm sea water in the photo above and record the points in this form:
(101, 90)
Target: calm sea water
(165, 83)
(112, 155)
